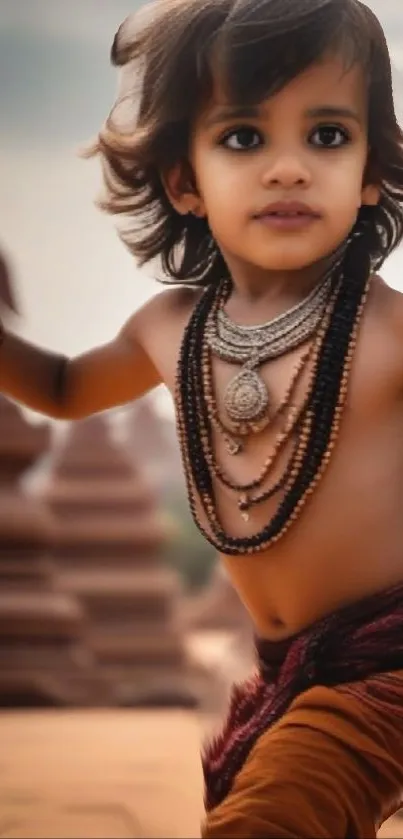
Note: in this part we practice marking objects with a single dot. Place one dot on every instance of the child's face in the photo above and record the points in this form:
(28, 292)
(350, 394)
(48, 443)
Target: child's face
(306, 144)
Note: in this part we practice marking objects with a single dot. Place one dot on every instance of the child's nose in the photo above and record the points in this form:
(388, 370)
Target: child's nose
(287, 171)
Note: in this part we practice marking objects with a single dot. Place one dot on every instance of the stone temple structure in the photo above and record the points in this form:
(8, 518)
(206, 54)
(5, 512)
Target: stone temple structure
(109, 543)
(43, 658)
(152, 440)
(217, 606)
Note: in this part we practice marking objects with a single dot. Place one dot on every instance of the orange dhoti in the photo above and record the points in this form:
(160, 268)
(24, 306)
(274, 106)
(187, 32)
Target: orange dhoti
(324, 760)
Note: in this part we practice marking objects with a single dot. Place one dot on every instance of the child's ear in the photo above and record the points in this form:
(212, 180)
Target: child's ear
(371, 192)
(181, 190)
(370, 195)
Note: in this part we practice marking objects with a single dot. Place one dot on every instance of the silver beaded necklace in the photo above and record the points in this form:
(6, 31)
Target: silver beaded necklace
(246, 397)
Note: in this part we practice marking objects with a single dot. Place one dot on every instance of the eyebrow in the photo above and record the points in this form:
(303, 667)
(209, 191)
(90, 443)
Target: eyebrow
(253, 111)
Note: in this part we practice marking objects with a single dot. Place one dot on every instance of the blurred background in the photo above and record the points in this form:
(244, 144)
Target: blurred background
(119, 634)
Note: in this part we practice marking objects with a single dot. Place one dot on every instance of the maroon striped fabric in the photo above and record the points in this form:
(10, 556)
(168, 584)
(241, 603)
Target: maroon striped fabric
(358, 641)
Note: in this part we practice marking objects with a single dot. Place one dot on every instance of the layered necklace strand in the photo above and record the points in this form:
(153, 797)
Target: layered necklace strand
(246, 397)
(291, 427)
(209, 330)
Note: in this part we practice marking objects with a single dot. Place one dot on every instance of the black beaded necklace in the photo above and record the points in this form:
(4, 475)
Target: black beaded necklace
(319, 424)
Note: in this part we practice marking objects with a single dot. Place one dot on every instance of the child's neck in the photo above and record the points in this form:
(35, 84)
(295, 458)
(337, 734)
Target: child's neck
(256, 286)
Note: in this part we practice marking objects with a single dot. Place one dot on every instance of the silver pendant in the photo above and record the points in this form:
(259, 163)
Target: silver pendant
(232, 445)
(246, 396)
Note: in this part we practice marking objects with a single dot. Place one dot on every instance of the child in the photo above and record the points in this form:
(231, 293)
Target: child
(263, 163)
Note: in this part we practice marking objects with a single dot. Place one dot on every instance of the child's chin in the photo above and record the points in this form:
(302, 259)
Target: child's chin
(287, 261)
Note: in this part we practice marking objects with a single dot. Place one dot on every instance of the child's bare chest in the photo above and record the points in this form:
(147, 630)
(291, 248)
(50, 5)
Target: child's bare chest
(348, 541)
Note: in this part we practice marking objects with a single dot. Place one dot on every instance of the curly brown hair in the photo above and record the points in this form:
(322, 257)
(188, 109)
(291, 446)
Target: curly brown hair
(167, 51)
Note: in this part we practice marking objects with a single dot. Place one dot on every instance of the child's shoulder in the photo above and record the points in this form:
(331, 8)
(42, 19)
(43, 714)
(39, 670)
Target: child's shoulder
(160, 322)
(387, 304)
(177, 300)
(384, 332)
(172, 304)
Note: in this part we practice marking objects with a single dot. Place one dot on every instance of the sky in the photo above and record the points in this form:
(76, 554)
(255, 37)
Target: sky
(76, 283)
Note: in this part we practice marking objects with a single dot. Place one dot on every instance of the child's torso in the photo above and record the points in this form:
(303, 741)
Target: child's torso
(348, 541)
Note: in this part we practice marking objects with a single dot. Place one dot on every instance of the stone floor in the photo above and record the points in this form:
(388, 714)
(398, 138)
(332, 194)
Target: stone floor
(90, 775)
(99, 774)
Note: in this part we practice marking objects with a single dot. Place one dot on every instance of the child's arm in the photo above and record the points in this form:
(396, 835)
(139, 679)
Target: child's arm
(64, 388)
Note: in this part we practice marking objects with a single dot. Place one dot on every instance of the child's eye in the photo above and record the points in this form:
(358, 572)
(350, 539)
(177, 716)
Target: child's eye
(329, 137)
(241, 139)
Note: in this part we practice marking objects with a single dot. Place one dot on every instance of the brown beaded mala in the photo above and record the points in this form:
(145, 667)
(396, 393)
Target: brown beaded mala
(244, 429)
(315, 425)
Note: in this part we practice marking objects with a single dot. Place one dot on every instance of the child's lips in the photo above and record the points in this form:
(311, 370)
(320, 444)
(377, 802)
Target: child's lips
(287, 222)
(288, 208)
(287, 215)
